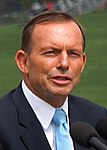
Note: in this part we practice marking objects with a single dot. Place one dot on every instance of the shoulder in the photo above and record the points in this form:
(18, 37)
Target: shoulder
(81, 109)
(6, 99)
(86, 105)
(80, 100)
(7, 113)
(7, 106)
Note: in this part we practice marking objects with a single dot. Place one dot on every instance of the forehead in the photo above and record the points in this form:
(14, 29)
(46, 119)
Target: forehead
(67, 33)
(66, 28)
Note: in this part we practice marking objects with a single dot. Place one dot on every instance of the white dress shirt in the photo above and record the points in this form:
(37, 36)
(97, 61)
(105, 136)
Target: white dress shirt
(44, 112)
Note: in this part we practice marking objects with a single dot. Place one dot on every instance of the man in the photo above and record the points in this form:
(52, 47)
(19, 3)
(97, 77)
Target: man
(51, 60)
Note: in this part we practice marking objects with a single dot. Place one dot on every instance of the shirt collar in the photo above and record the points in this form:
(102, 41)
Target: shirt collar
(42, 109)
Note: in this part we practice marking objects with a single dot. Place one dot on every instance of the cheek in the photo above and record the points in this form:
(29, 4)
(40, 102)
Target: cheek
(45, 65)
(40, 67)
(77, 67)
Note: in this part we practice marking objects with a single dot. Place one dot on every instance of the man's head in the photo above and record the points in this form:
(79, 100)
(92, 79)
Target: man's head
(52, 56)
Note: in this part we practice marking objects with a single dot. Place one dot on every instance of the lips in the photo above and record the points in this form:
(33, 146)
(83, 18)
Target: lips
(59, 79)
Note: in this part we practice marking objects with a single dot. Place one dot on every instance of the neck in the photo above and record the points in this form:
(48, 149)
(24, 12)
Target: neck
(54, 100)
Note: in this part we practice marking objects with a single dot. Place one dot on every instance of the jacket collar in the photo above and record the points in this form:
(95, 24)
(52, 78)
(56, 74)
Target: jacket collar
(75, 114)
(32, 134)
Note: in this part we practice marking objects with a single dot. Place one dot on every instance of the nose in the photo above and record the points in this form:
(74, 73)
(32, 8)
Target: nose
(63, 61)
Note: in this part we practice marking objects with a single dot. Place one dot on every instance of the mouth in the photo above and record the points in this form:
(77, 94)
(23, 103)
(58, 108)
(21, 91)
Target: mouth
(61, 80)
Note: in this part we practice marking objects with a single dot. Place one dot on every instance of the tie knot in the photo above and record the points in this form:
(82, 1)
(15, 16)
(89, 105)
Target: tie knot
(59, 117)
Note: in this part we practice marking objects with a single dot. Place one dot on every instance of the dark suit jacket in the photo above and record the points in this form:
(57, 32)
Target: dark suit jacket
(21, 130)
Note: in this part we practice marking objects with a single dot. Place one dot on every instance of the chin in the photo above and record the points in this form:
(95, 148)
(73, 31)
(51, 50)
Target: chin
(62, 93)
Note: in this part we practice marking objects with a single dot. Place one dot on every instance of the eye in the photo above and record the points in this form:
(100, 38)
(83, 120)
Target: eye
(51, 52)
(74, 54)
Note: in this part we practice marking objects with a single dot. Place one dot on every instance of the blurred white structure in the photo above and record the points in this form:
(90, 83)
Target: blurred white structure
(80, 6)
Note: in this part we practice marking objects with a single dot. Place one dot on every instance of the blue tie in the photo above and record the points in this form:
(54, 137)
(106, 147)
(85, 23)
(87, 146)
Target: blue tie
(62, 136)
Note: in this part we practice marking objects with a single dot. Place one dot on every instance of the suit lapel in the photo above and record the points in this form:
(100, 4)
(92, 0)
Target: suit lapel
(74, 115)
(32, 134)
(73, 111)
(34, 138)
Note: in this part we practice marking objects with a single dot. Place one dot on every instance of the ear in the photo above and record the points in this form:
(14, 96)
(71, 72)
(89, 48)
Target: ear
(84, 62)
(21, 59)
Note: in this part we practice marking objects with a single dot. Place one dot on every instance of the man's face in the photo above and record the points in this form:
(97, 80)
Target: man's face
(56, 61)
